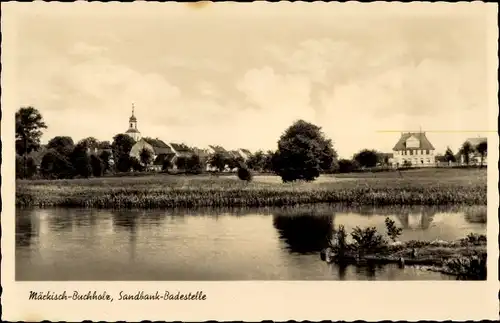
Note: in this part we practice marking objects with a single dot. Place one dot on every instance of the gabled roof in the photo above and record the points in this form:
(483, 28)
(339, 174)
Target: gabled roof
(476, 141)
(245, 151)
(424, 142)
(200, 152)
(159, 146)
(235, 154)
(218, 149)
(181, 148)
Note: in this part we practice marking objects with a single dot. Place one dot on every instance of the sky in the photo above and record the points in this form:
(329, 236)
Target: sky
(238, 75)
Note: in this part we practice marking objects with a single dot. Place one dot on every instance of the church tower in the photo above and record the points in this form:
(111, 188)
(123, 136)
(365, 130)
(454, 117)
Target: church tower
(132, 126)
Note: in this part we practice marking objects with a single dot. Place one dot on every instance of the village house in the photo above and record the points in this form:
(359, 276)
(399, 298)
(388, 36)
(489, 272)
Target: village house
(159, 150)
(214, 149)
(475, 156)
(415, 149)
(244, 153)
(180, 151)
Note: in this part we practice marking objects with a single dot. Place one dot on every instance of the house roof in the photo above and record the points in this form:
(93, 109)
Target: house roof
(181, 148)
(476, 141)
(245, 151)
(199, 151)
(235, 153)
(218, 149)
(424, 142)
(159, 146)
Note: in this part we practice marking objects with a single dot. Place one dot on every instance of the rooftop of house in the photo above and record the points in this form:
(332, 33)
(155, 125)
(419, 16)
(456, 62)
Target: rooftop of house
(245, 151)
(424, 142)
(181, 148)
(159, 146)
(218, 149)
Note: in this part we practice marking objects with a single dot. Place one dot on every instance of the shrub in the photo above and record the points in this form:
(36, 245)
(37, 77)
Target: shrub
(347, 166)
(468, 268)
(367, 239)
(474, 239)
(392, 231)
(244, 174)
(339, 245)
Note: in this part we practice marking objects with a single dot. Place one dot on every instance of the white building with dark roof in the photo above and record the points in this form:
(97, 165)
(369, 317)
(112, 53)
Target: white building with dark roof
(414, 148)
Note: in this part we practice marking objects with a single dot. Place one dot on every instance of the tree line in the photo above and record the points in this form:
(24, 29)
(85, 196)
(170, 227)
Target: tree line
(303, 153)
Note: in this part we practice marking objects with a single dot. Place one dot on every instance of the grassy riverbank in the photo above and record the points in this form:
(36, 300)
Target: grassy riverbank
(464, 258)
(412, 187)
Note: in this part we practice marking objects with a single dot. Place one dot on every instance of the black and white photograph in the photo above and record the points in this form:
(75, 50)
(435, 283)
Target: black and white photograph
(251, 142)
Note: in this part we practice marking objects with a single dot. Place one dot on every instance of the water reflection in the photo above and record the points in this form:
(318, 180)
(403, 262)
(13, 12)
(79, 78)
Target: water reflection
(25, 230)
(218, 244)
(304, 232)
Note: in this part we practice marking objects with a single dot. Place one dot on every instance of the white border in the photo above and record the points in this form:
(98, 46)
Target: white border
(256, 300)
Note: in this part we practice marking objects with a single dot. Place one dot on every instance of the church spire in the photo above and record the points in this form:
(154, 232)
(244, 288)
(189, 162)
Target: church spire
(132, 126)
(133, 119)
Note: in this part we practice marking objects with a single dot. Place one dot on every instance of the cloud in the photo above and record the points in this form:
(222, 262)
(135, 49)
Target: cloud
(85, 49)
(238, 83)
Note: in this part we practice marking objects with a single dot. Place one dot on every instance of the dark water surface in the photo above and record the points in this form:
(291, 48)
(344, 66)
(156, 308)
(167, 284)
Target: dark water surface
(260, 244)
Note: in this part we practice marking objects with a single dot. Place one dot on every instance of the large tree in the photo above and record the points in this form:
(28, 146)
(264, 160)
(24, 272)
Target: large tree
(80, 159)
(465, 151)
(146, 157)
(482, 149)
(257, 161)
(367, 158)
(90, 143)
(218, 160)
(303, 152)
(449, 156)
(55, 165)
(97, 166)
(105, 157)
(194, 164)
(29, 125)
(62, 144)
(122, 144)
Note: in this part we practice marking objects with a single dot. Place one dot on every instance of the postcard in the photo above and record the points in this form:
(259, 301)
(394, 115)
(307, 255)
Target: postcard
(249, 161)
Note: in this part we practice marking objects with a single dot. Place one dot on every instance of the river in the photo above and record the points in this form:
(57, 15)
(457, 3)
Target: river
(209, 244)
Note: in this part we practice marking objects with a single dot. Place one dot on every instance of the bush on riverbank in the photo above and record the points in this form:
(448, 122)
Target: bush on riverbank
(464, 258)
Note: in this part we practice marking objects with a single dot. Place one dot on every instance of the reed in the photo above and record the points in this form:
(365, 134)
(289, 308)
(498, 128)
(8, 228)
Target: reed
(171, 191)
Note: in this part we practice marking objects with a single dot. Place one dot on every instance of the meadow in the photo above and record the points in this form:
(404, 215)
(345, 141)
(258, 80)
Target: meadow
(432, 186)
